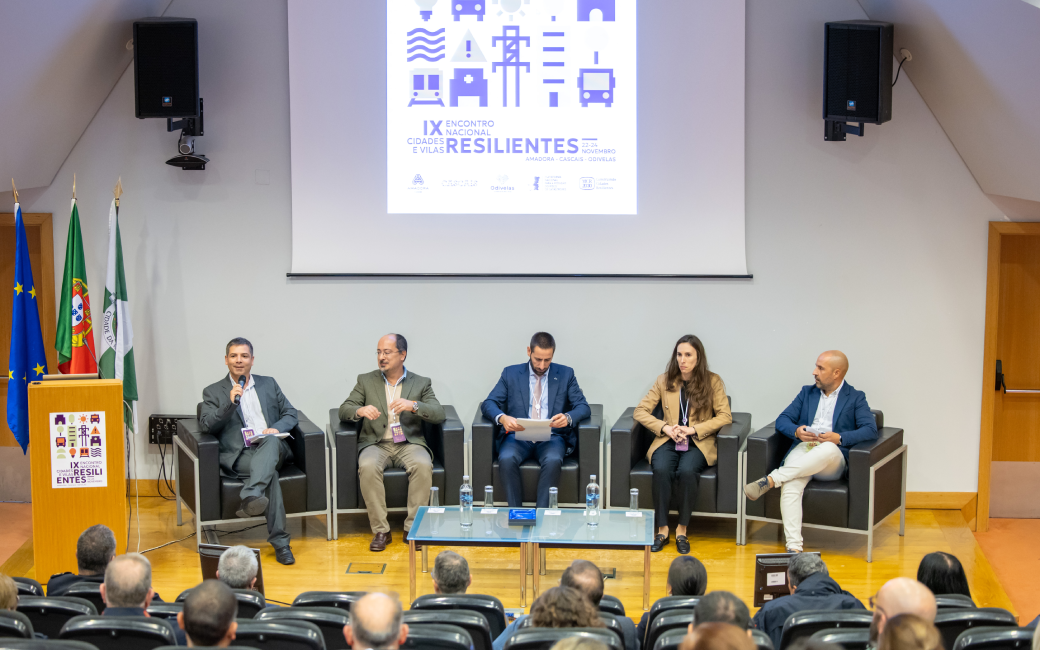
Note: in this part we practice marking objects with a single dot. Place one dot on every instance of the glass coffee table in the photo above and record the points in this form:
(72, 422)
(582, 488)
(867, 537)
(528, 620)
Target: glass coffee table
(559, 528)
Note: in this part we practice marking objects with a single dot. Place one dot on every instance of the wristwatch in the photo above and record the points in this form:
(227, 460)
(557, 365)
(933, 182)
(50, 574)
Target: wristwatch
(415, 407)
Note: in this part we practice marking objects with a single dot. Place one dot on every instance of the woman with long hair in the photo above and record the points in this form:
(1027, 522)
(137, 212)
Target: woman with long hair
(943, 574)
(694, 407)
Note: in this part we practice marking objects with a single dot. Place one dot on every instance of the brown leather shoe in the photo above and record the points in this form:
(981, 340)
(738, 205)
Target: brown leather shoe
(379, 541)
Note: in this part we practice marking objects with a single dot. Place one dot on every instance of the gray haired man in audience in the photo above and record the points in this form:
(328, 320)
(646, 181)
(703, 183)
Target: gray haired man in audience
(375, 624)
(900, 596)
(209, 613)
(237, 567)
(451, 573)
(127, 590)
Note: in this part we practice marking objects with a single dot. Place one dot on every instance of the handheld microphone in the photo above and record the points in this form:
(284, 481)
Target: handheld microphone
(242, 383)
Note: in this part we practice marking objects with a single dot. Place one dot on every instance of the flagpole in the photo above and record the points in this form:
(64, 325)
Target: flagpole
(73, 186)
(15, 190)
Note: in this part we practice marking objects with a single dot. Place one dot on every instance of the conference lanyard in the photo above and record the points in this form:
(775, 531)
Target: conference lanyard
(391, 393)
(684, 408)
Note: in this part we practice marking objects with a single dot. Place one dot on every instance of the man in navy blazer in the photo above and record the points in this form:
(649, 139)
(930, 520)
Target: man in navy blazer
(539, 390)
(823, 422)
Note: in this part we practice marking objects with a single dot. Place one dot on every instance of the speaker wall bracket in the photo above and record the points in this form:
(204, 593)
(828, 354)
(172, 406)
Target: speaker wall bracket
(835, 130)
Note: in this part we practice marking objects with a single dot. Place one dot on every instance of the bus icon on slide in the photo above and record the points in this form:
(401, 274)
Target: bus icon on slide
(588, 183)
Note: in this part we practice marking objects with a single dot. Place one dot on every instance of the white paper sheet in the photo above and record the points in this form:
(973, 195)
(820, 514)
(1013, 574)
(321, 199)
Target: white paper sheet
(534, 430)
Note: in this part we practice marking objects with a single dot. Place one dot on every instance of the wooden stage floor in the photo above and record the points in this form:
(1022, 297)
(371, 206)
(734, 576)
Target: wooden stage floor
(322, 565)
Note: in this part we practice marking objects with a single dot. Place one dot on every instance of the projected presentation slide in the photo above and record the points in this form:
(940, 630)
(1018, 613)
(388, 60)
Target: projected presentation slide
(511, 107)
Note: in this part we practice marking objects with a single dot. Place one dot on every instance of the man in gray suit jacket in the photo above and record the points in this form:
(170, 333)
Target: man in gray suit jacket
(262, 410)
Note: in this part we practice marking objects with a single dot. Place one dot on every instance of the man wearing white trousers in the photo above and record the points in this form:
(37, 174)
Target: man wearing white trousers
(823, 422)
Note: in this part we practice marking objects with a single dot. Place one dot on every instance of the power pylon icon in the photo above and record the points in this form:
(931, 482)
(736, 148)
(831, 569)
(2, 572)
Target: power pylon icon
(510, 59)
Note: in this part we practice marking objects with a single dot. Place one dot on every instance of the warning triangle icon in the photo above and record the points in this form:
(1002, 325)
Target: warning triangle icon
(468, 51)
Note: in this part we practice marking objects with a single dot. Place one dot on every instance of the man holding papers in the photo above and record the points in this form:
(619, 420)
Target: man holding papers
(246, 407)
(537, 390)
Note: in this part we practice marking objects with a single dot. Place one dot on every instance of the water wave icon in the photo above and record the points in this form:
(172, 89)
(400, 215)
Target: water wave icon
(425, 44)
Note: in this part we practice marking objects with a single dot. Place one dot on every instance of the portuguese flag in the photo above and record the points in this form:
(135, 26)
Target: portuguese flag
(74, 339)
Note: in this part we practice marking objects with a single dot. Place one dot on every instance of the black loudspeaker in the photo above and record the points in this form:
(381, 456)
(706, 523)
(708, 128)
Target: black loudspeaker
(166, 67)
(857, 71)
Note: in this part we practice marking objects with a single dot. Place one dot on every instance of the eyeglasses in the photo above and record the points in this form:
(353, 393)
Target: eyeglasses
(874, 606)
(386, 353)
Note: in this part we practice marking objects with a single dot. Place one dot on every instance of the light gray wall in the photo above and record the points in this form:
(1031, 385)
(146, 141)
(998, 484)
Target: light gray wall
(876, 246)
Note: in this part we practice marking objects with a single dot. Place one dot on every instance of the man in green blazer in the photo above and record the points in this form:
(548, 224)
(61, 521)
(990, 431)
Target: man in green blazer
(392, 404)
(263, 409)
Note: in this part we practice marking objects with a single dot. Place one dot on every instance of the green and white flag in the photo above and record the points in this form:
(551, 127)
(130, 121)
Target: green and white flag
(117, 334)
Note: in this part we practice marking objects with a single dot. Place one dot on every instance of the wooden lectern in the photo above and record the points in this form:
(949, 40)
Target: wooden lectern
(77, 455)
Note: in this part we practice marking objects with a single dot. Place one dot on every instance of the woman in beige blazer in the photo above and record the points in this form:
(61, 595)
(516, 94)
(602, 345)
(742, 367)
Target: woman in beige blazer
(695, 407)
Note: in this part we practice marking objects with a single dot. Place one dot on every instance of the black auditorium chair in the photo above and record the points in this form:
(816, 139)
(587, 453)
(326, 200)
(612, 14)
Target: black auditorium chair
(15, 625)
(447, 441)
(214, 499)
(613, 623)
(488, 606)
(50, 644)
(543, 638)
(762, 640)
(330, 620)
(337, 599)
(670, 640)
(281, 635)
(667, 603)
(48, 614)
(120, 632)
(848, 638)
(168, 611)
(249, 602)
(665, 621)
(473, 622)
(952, 622)
(995, 638)
(873, 488)
(585, 460)
(87, 591)
(719, 492)
(954, 601)
(804, 624)
(442, 636)
(28, 586)
(611, 605)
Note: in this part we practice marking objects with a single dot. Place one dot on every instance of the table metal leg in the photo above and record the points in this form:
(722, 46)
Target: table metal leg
(646, 579)
(425, 566)
(537, 571)
(541, 561)
(523, 574)
(411, 571)
(530, 559)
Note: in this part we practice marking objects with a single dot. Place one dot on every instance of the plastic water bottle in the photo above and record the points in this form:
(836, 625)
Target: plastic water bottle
(592, 502)
(466, 503)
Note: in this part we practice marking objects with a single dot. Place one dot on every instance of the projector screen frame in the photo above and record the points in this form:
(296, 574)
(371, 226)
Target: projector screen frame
(647, 276)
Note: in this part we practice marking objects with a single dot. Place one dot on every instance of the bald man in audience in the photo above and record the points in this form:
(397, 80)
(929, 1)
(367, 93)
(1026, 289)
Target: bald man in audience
(208, 617)
(900, 596)
(375, 624)
(824, 421)
(127, 590)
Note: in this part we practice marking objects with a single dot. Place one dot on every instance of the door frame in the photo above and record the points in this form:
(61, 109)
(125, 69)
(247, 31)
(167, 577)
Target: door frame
(997, 231)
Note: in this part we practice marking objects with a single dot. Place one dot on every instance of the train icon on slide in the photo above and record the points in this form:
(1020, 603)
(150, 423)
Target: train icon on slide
(596, 86)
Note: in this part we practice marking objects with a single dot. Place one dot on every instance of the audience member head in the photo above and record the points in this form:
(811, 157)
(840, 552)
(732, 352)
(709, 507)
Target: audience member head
(943, 574)
(391, 351)
(717, 636)
(375, 623)
(722, 607)
(208, 617)
(830, 370)
(564, 607)
(8, 593)
(450, 573)
(128, 582)
(237, 567)
(900, 596)
(95, 549)
(687, 577)
(586, 578)
(579, 643)
(910, 632)
(541, 351)
(802, 566)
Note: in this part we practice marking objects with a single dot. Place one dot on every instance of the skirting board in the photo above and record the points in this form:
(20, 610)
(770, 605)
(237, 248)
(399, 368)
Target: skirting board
(966, 502)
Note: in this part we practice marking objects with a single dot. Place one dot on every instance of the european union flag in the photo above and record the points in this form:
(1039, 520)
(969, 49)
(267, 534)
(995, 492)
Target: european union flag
(28, 361)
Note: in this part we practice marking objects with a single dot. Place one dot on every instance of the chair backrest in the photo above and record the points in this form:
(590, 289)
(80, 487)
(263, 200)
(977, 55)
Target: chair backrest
(50, 644)
(848, 639)
(954, 601)
(441, 636)
(543, 638)
(282, 635)
(15, 625)
(87, 591)
(669, 619)
(28, 586)
(995, 638)
(120, 632)
(473, 622)
(951, 622)
(249, 602)
(489, 606)
(804, 624)
(670, 640)
(762, 640)
(330, 620)
(338, 599)
(667, 603)
(165, 610)
(611, 605)
(613, 623)
(48, 614)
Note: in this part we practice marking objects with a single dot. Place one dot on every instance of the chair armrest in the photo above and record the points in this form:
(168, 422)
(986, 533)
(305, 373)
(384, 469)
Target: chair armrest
(888, 480)
(308, 446)
(730, 440)
(766, 449)
(345, 456)
(590, 445)
(622, 442)
(482, 442)
(206, 448)
(448, 442)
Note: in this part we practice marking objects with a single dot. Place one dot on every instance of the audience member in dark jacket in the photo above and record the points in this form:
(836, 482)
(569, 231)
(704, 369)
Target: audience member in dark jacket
(127, 589)
(686, 577)
(811, 589)
(95, 548)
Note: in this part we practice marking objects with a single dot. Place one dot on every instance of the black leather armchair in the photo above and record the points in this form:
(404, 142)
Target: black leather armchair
(873, 488)
(720, 487)
(447, 441)
(196, 458)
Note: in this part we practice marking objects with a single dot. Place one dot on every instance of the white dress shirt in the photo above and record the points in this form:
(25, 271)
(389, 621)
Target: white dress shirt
(824, 420)
(252, 412)
(543, 404)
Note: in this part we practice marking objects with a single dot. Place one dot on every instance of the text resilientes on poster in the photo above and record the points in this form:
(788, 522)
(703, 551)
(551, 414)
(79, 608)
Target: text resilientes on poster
(78, 449)
(511, 106)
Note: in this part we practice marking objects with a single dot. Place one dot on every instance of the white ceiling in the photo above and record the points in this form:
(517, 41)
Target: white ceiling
(60, 61)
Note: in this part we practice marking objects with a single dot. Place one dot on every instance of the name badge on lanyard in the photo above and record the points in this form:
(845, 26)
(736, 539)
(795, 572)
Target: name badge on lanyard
(684, 412)
(396, 430)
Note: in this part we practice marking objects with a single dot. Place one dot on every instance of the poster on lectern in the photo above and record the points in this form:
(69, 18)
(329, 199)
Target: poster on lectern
(511, 106)
(78, 453)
